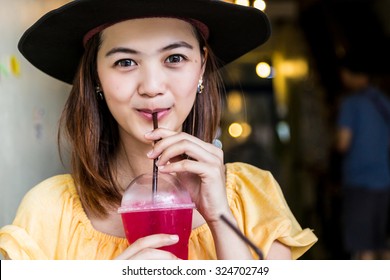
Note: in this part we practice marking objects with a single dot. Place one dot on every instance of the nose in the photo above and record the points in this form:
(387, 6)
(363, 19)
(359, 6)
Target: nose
(152, 81)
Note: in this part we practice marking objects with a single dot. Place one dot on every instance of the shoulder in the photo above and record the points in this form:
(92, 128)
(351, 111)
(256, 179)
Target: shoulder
(54, 186)
(43, 220)
(238, 173)
(49, 194)
(381, 94)
(248, 181)
(350, 106)
(353, 100)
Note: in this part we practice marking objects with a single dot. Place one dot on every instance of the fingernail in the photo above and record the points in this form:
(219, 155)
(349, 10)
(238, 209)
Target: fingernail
(148, 133)
(174, 237)
(149, 154)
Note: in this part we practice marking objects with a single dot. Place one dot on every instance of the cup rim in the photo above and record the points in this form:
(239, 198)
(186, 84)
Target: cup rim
(126, 209)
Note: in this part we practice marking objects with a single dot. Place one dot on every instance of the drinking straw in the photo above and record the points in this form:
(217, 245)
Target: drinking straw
(155, 169)
(243, 237)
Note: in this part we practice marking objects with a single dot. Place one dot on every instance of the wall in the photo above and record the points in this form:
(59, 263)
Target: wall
(30, 105)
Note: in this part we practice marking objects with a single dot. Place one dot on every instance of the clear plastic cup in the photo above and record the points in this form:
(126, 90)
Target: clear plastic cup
(168, 211)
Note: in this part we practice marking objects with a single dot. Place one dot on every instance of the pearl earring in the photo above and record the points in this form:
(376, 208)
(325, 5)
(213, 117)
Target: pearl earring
(200, 86)
(99, 92)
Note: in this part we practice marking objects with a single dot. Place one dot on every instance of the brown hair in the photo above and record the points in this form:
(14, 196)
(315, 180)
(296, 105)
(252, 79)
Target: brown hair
(93, 132)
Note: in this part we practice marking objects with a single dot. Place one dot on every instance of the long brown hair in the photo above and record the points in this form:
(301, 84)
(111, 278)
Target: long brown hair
(93, 133)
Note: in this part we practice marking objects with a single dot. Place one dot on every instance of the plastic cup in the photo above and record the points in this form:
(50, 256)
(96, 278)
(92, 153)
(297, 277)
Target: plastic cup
(169, 211)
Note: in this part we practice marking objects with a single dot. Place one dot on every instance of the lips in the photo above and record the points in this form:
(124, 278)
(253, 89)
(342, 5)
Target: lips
(147, 113)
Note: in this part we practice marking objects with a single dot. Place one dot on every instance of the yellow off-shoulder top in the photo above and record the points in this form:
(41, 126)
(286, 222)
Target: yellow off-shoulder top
(51, 223)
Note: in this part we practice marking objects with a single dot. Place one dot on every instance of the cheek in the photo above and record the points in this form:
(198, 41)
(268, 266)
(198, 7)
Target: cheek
(118, 96)
(116, 89)
(113, 85)
(185, 85)
(185, 91)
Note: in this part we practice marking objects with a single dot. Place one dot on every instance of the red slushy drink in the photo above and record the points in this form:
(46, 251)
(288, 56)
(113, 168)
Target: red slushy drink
(138, 224)
(168, 211)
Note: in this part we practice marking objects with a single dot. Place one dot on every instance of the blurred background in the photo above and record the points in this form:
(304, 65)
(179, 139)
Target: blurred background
(280, 109)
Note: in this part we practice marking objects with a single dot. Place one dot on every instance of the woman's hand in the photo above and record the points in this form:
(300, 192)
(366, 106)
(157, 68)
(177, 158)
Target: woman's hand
(146, 248)
(199, 166)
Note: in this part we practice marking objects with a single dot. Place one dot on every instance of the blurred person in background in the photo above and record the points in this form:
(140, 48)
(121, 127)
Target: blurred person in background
(363, 135)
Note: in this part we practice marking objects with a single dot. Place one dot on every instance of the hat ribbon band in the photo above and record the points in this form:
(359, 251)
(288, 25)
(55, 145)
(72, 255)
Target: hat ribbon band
(196, 23)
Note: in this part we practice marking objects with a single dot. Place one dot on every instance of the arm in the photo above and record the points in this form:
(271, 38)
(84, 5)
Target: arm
(226, 239)
(279, 251)
(343, 139)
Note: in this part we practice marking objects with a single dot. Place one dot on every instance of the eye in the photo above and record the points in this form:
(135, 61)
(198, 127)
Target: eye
(125, 63)
(175, 58)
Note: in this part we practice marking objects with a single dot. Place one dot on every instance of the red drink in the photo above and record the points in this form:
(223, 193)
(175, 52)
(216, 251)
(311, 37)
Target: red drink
(169, 211)
(178, 221)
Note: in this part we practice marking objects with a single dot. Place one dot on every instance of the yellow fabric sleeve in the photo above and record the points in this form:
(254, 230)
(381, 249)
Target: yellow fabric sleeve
(262, 213)
(51, 224)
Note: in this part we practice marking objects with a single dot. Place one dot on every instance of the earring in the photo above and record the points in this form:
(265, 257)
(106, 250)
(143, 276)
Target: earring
(99, 92)
(200, 88)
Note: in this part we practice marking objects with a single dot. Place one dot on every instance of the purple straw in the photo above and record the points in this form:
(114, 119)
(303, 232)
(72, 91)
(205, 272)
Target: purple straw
(257, 250)
(155, 169)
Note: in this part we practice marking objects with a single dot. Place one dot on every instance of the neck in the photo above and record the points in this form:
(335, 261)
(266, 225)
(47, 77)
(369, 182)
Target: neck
(130, 162)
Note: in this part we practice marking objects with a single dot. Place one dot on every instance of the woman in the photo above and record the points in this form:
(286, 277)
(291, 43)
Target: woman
(128, 60)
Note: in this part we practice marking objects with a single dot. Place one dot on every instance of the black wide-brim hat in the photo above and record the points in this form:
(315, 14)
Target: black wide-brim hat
(54, 44)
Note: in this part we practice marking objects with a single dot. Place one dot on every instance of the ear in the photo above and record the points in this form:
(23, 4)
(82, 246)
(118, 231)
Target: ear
(204, 57)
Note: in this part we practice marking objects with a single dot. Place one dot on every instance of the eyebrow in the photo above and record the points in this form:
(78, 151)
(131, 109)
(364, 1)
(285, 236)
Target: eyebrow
(121, 50)
(172, 46)
(176, 45)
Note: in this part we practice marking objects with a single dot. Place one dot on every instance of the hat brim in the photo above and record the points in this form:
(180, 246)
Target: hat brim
(54, 44)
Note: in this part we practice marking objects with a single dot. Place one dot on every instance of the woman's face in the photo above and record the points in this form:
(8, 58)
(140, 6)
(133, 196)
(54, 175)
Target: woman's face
(149, 65)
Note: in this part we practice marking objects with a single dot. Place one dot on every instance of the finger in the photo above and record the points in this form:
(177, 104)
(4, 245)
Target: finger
(151, 241)
(211, 171)
(169, 137)
(159, 133)
(154, 254)
(189, 148)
